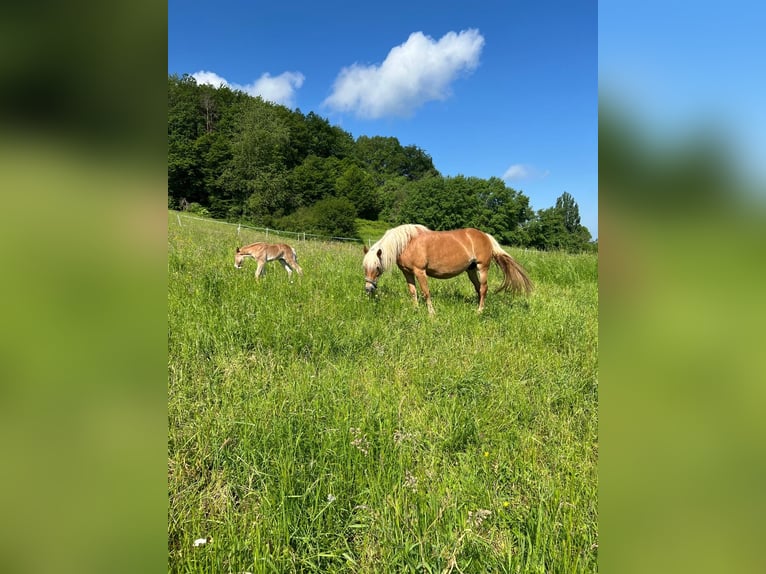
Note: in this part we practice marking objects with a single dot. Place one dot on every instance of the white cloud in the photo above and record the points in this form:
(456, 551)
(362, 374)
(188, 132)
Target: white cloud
(211, 78)
(279, 89)
(516, 171)
(521, 171)
(413, 73)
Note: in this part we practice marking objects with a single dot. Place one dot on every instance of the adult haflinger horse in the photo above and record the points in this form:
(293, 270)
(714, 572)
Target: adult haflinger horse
(421, 253)
(265, 252)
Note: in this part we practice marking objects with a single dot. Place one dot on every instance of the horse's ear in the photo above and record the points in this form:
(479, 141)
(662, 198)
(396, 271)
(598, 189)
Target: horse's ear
(237, 249)
(365, 249)
(380, 252)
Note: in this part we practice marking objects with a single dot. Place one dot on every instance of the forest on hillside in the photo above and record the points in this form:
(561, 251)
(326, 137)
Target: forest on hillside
(239, 158)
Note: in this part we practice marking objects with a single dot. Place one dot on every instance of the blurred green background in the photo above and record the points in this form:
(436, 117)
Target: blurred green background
(682, 237)
(83, 244)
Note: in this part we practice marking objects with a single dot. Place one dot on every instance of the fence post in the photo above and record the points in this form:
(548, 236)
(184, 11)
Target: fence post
(179, 220)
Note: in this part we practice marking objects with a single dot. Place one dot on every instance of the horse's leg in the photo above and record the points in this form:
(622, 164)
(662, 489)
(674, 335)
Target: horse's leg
(423, 282)
(260, 271)
(473, 275)
(483, 272)
(287, 268)
(411, 286)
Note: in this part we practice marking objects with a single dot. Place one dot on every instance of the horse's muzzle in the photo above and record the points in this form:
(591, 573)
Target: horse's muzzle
(370, 286)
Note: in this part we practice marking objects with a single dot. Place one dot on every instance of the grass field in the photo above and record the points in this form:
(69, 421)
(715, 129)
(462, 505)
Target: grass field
(312, 429)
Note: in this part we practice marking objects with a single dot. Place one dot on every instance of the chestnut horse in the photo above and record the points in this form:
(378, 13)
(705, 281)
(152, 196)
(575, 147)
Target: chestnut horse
(421, 253)
(265, 252)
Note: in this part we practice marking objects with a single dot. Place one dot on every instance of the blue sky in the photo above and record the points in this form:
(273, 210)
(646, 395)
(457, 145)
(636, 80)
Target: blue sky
(487, 88)
(681, 68)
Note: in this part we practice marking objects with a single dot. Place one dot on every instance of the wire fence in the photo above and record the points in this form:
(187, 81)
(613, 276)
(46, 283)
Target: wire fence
(300, 235)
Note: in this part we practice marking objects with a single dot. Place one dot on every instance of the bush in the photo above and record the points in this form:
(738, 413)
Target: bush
(197, 209)
(332, 217)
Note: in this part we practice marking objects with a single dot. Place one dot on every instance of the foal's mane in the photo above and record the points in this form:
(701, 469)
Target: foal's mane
(391, 245)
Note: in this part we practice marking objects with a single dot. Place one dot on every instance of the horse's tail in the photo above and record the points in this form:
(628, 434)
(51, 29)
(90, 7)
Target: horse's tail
(515, 277)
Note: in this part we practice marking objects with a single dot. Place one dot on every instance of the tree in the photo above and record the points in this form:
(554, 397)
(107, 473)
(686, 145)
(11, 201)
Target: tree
(503, 211)
(331, 217)
(269, 198)
(416, 163)
(454, 202)
(559, 227)
(201, 126)
(256, 175)
(440, 203)
(393, 194)
(185, 172)
(185, 165)
(326, 140)
(214, 151)
(570, 212)
(314, 179)
(335, 216)
(547, 231)
(358, 186)
(385, 157)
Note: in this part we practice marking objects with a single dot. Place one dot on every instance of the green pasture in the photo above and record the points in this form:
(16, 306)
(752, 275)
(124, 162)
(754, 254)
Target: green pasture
(313, 429)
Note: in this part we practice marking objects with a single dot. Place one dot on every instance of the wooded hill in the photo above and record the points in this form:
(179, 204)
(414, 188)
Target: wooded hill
(240, 158)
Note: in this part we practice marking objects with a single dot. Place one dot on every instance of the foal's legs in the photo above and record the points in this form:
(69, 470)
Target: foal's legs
(286, 265)
(293, 262)
(260, 271)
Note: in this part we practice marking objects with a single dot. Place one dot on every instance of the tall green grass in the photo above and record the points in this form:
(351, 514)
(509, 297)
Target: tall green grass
(312, 429)
(370, 231)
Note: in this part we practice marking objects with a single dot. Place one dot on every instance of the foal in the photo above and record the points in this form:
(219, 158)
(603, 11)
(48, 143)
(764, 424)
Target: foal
(265, 252)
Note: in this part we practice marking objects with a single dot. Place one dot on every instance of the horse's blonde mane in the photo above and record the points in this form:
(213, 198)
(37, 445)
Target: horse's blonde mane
(391, 245)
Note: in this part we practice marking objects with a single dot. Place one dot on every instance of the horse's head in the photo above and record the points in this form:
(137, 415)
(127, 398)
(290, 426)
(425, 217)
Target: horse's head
(373, 268)
(238, 257)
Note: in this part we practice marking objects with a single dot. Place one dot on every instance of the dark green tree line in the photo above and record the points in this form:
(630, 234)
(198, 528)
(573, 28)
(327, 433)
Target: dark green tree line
(241, 158)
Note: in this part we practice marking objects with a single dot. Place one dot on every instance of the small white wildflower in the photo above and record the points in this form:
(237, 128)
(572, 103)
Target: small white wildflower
(400, 436)
(203, 541)
(410, 481)
(331, 498)
(475, 518)
(360, 440)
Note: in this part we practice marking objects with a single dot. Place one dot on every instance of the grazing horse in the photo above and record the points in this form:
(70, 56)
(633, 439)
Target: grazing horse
(265, 252)
(421, 253)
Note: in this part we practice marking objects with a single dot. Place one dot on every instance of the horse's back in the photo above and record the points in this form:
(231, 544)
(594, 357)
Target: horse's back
(470, 240)
(444, 254)
(269, 250)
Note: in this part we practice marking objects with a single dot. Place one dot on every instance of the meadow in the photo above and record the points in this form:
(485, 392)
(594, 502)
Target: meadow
(314, 429)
